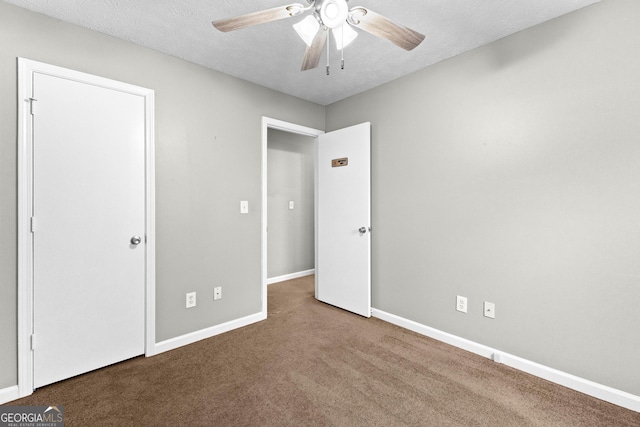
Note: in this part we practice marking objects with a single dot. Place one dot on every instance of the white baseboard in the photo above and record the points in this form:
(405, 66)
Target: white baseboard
(272, 280)
(599, 391)
(12, 393)
(8, 394)
(192, 337)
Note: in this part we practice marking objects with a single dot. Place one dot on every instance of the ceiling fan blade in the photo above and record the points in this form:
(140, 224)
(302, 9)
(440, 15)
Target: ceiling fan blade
(261, 17)
(313, 52)
(382, 27)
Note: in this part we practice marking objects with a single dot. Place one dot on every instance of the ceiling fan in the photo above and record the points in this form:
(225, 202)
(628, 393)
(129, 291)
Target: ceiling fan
(327, 16)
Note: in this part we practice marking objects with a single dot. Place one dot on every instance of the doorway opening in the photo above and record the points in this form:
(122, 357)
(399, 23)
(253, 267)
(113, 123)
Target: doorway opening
(286, 211)
(290, 206)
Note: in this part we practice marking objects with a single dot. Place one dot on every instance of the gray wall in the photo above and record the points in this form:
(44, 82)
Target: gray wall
(290, 170)
(511, 174)
(208, 136)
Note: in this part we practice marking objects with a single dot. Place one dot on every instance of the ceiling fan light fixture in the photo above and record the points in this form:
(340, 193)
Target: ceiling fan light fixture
(331, 11)
(307, 29)
(344, 36)
(334, 13)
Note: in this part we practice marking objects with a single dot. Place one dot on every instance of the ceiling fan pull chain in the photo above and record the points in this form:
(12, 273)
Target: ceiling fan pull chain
(342, 48)
(328, 44)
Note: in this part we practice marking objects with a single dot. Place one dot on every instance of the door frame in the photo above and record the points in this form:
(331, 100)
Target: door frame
(26, 68)
(269, 123)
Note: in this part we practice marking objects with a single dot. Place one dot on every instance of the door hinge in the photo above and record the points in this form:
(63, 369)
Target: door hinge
(31, 106)
(33, 341)
(33, 224)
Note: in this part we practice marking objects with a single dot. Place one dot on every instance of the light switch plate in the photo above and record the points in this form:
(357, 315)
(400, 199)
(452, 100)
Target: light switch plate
(244, 207)
(291, 204)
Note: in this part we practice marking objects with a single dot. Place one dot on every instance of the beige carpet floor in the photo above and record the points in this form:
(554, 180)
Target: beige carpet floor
(310, 364)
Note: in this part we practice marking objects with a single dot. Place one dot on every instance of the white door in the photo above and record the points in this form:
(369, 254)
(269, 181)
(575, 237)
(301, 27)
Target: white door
(88, 206)
(343, 239)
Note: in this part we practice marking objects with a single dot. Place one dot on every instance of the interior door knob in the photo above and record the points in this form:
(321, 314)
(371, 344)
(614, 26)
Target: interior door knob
(362, 230)
(135, 240)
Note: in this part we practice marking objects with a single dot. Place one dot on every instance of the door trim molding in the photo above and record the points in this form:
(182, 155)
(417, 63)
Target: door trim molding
(25, 173)
(269, 123)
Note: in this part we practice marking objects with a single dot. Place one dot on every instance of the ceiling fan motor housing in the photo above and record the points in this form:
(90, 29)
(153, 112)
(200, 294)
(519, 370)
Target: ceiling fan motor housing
(333, 13)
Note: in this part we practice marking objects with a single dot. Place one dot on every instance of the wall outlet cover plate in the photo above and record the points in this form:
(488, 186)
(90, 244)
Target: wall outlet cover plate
(191, 300)
(489, 310)
(461, 304)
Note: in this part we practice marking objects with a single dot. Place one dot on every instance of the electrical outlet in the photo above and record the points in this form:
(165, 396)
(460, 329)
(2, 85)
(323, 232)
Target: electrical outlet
(217, 293)
(461, 304)
(489, 310)
(191, 299)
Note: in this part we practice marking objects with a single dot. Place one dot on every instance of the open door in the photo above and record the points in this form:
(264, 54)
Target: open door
(343, 221)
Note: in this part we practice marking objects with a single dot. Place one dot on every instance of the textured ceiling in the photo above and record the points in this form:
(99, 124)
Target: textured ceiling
(271, 54)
